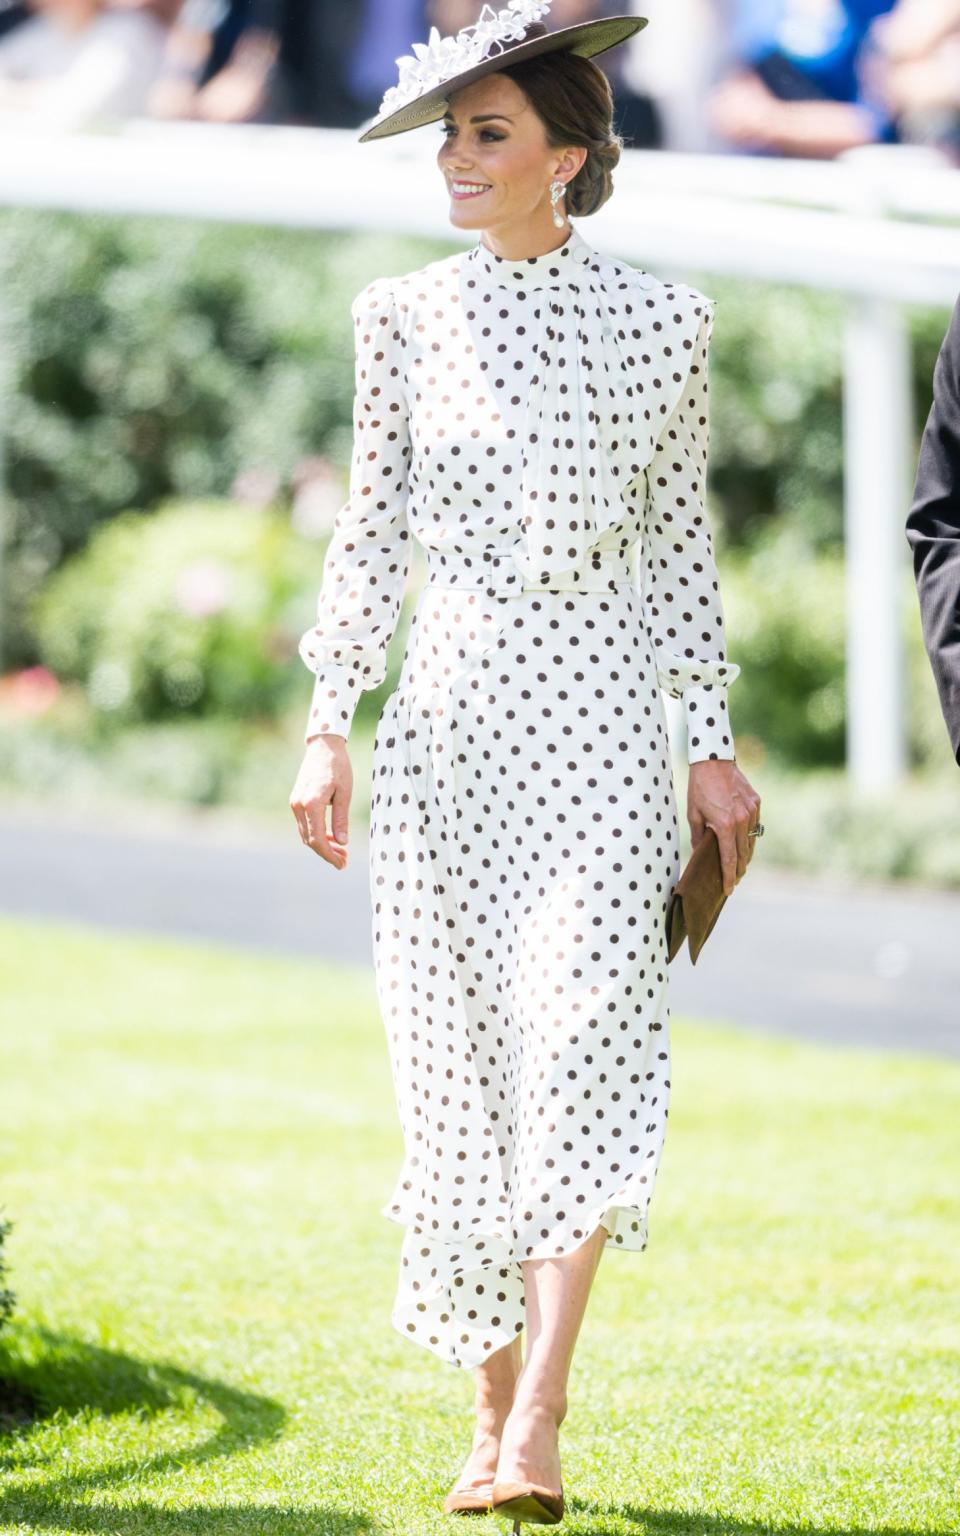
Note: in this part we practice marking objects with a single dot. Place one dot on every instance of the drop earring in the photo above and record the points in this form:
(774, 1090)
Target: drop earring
(557, 189)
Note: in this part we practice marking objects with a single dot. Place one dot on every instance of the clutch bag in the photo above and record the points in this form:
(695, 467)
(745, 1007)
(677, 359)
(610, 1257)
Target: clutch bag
(697, 899)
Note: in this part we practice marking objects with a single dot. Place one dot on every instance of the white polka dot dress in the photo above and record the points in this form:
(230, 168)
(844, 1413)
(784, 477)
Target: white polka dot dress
(541, 428)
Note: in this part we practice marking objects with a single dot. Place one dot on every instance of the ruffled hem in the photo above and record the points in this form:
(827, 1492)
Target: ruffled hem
(463, 1299)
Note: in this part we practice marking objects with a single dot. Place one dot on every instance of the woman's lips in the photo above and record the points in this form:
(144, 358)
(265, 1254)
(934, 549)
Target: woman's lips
(462, 196)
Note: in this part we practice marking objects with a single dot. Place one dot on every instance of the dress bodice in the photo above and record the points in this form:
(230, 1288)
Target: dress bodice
(550, 406)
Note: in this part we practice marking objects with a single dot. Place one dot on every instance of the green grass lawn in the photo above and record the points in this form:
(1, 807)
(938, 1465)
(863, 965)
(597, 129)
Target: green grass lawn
(195, 1146)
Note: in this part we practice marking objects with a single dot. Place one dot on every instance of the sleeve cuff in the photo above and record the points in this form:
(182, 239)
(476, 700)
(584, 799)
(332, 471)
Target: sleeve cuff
(334, 702)
(708, 722)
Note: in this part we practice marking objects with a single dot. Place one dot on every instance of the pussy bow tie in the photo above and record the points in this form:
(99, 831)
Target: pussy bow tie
(586, 436)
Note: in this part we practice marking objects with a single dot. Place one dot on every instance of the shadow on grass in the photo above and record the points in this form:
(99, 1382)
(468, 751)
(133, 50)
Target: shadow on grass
(69, 1378)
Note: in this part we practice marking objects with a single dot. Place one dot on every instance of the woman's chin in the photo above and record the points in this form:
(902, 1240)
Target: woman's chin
(467, 213)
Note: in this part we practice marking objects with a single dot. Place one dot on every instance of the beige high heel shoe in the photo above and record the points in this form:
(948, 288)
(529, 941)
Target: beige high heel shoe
(527, 1501)
(468, 1501)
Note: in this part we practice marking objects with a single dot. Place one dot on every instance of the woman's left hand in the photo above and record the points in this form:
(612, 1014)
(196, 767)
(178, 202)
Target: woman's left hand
(721, 797)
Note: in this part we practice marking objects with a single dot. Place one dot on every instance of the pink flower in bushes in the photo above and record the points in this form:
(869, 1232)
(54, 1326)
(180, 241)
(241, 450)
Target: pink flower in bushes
(317, 497)
(257, 486)
(202, 588)
(31, 691)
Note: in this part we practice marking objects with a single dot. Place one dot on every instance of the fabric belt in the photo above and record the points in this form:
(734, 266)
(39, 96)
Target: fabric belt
(496, 572)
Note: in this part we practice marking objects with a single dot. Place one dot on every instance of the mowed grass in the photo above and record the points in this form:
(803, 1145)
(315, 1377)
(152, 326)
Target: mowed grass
(195, 1147)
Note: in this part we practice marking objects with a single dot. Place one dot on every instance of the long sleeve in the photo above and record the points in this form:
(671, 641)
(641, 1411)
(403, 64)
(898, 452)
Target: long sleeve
(368, 556)
(680, 587)
(933, 530)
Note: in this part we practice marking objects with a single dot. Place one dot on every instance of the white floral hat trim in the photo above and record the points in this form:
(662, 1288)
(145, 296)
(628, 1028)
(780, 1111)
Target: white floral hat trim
(441, 58)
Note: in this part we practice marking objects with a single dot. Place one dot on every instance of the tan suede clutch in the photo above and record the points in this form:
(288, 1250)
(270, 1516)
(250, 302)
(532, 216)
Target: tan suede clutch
(697, 899)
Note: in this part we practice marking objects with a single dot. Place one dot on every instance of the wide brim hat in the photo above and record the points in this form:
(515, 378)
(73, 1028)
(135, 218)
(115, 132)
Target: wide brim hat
(437, 68)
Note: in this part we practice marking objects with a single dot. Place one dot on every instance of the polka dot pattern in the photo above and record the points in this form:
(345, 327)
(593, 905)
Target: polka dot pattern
(540, 427)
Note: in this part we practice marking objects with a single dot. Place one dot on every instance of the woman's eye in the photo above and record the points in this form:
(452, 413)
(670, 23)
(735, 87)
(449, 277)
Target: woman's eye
(447, 129)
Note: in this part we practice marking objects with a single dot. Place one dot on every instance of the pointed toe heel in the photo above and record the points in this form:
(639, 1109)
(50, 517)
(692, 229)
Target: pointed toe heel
(468, 1501)
(527, 1501)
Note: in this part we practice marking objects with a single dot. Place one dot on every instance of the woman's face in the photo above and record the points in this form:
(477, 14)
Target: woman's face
(506, 160)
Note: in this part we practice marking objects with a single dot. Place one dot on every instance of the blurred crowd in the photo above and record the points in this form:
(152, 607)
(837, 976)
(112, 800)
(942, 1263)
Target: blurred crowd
(767, 77)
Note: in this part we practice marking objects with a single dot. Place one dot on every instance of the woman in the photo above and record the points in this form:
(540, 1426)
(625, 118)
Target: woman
(534, 413)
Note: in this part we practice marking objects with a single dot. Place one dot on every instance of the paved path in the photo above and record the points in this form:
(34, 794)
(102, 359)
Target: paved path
(871, 965)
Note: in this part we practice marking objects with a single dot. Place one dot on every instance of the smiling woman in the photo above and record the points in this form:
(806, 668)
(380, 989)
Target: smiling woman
(534, 413)
(498, 131)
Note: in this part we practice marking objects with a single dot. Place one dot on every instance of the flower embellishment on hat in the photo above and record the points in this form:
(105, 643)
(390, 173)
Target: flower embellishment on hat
(441, 58)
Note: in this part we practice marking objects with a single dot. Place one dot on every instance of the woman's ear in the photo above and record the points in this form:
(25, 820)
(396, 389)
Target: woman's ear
(572, 162)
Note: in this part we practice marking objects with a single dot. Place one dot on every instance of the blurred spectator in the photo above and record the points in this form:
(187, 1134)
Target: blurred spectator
(674, 62)
(72, 62)
(320, 62)
(802, 84)
(221, 63)
(388, 29)
(12, 12)
(636, 113)
(915, 70)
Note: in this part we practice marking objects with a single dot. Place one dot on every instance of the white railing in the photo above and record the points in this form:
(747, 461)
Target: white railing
(874, 226)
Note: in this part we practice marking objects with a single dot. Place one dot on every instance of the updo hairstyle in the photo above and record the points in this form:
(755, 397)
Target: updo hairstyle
(573, 98)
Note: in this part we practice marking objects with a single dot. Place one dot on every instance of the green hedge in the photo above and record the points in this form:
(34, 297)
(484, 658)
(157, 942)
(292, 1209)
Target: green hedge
(152, 359)
(193, 611)
(785, 609)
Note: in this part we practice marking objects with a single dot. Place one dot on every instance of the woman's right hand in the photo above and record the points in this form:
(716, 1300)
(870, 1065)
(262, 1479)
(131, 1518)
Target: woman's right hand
(325, 778)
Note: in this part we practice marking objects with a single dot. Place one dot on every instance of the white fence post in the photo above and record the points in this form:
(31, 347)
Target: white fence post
(876, 430)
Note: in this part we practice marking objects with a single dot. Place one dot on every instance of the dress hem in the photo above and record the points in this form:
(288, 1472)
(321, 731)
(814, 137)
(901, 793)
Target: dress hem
(430, 1317)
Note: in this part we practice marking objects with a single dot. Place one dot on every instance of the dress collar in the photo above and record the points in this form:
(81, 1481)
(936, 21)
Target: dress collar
(530, 272)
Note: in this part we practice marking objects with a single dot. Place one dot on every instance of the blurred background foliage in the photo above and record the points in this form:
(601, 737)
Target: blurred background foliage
(7, 1298)
(168, 379)
(192, 611)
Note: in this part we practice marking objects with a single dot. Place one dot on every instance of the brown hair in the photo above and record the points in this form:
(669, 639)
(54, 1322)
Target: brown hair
(572, 95)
